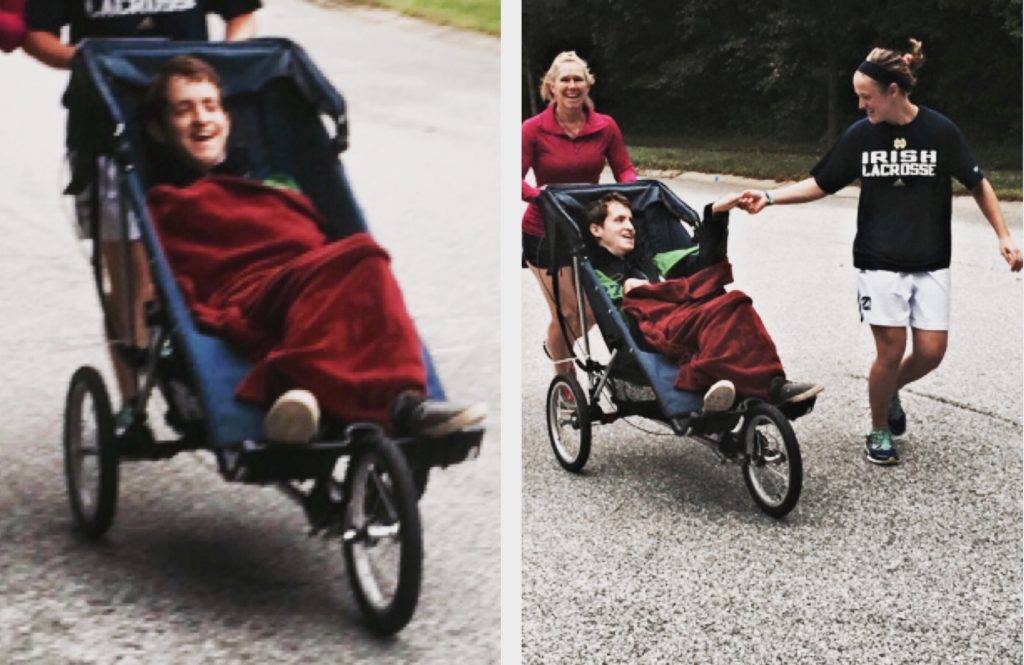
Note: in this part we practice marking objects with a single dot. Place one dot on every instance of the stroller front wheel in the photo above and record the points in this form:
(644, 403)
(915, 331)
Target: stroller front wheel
(382, 538)
(772, 466)
(568, 422)
(90, 453)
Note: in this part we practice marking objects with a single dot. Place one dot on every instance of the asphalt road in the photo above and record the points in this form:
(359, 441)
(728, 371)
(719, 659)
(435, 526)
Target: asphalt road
(657, 554)
(195, 569)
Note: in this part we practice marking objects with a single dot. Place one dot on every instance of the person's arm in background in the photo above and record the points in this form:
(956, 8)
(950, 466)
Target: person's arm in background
(618, 156)
(48, 49)
(12, 24)
(986, 199)
(240, 27)
(529, 191)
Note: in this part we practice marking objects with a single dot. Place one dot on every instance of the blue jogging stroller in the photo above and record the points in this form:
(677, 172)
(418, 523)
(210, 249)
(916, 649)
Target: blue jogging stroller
(634, 380)
(353, 483)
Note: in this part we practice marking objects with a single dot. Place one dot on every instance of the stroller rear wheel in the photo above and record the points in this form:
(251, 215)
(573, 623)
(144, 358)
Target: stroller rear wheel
(90, 453)
(381, 535)
(568, 422)
(772, 467)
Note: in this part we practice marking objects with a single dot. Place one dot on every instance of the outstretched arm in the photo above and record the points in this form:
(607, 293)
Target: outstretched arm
(48, 49)
(754, 201)
(986, 199)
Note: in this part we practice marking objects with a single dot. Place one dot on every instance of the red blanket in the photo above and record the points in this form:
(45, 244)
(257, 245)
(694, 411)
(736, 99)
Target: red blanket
(255, 269)
(711, 333)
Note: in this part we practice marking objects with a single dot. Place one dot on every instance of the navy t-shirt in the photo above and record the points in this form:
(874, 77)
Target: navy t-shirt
(173, 19)
(903, 217)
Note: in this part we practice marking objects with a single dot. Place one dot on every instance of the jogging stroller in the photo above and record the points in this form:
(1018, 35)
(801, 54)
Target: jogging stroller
(354, 483)
(638, 382)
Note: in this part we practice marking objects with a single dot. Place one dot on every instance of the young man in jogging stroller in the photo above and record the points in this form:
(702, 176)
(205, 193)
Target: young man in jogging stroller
(677, 302)
(324, 322)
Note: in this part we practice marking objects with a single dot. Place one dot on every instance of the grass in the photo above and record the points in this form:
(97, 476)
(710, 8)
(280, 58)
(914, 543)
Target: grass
(736, 156)
(477, 15)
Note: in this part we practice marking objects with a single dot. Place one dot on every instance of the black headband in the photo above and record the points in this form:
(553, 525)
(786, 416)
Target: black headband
(879, 73)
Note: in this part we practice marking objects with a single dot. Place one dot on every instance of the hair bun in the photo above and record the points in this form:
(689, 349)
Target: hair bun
(915, 56)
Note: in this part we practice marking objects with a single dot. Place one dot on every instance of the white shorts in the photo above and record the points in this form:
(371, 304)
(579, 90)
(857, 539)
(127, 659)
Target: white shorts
(899, 299)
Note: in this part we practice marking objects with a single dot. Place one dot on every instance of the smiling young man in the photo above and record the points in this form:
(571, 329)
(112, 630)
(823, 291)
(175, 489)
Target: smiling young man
(324, 322)
(680, 307)
(905, 156)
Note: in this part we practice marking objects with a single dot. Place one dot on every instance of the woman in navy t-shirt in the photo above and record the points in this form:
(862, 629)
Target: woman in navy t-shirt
(905, 156)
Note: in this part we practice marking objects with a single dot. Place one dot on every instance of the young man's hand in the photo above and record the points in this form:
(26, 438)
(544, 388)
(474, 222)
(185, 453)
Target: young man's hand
(633, 282)
(727, 203)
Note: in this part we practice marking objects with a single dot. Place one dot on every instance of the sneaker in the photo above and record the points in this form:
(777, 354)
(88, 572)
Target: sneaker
(294, 418)
(415, 415)
(719, 397)
(879, 448)
(781, 391)
(897, 416)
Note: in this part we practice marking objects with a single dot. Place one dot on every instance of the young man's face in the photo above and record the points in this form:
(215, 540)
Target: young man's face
(196, 120)
(617, 235)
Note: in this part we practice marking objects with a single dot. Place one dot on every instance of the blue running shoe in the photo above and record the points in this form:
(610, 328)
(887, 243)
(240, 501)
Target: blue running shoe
(879, 449)
(897, 416)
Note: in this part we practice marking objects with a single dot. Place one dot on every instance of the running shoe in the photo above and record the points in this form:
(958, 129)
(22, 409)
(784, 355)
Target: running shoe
(897, 416)
(719, 396)
(879, 448)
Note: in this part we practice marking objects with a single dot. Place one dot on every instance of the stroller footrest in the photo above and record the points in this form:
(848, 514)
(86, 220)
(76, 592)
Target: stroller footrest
(251, 462)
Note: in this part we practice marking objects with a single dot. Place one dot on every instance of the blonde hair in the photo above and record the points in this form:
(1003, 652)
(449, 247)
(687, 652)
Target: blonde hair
(563, 58)
(903, 66)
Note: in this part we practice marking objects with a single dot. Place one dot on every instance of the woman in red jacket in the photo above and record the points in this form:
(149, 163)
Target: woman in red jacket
(568, 142)
(12, 24)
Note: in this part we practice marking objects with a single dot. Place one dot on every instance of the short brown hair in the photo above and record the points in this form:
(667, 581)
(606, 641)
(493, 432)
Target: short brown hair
(598, 210)
(154, 104)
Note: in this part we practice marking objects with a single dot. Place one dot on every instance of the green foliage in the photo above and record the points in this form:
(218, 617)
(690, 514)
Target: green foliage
(478, 15)
(779, 68)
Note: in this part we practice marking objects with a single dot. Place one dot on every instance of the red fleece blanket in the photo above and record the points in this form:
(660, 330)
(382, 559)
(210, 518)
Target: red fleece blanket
(254, 267)
(711, 333)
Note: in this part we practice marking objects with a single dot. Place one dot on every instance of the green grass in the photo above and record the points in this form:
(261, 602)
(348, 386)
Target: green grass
(477, 15)
(736, 156)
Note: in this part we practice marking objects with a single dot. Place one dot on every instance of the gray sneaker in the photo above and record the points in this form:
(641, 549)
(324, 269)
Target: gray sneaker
(781, 391)
(415, 415)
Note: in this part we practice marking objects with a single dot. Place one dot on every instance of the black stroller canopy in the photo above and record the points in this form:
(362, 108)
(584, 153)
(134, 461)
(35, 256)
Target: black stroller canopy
(657, 212)
(271, 89)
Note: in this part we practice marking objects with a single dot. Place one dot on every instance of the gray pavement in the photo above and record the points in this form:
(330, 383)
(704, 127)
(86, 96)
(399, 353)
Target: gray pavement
(195, 569)
(657, 554)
